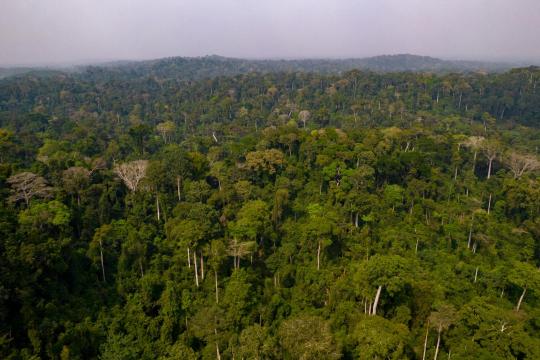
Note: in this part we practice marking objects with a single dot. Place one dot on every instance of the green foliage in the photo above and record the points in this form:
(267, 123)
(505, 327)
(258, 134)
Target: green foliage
(40, 215)
(307, 337)
(391, 271)
(378, 338)
(252, 220)
(283, 215)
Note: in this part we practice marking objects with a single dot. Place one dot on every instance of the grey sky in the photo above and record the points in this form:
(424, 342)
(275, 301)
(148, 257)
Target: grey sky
(61, 31)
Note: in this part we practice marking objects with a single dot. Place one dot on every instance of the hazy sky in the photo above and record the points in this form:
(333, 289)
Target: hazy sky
(61, 31)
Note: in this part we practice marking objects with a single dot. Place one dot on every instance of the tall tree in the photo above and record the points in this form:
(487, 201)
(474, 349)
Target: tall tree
(132, 173)
(520, 164)
(27, 185)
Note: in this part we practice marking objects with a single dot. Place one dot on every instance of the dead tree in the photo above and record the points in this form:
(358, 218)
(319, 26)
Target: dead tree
(132, 173)
(166, 130)
(491, 151)
(26, 185)
(304, 116)
(475, 144)
(520, 164)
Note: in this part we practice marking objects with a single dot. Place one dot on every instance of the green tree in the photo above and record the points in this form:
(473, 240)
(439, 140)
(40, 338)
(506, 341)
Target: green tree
(307, 337)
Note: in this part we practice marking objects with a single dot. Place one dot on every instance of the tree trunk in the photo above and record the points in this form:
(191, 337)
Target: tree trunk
(218, 356)
(489, 168)
(157, 207)
(319, 256)
(521, 298)
(474, 161)
(195, 265)
(202, 267)
(217, 295)
(438, 343)
(376, 302)
(470, 237)
(476, 275)
(489, 204)
(425, 343)
(102, 262)
(178, 188)
(188, 259)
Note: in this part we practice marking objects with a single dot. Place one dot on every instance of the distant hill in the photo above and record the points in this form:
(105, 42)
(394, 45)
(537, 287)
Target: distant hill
(415, 63)
(11, 71)
(6, 72)
(193, 68)
(211, 66)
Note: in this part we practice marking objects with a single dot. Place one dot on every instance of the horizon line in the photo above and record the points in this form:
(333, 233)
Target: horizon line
(104, 61)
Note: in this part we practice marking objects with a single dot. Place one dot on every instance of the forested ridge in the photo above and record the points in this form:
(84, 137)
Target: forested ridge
(196, 68)
(288, 215)
(208, 66)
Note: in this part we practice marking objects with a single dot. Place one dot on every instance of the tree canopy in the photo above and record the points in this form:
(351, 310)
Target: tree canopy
(270, 215)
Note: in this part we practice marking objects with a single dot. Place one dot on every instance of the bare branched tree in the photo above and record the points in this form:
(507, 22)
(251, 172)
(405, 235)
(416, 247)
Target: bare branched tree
(304, 116)
(132, 173)
(166, 130)
(491, 150)
(239, 250)
(475, 144)
(26, 185)
(520, 164)
(442, 320)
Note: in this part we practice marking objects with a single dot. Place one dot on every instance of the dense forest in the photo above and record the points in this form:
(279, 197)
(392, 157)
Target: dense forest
(269, 215)
(196, 68)
(208, 66)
